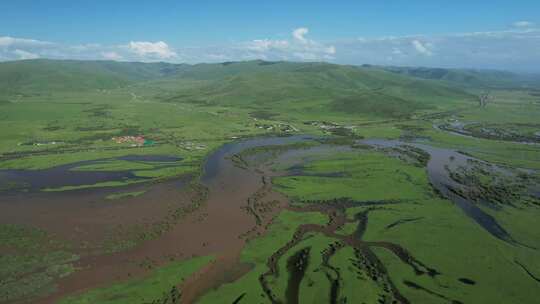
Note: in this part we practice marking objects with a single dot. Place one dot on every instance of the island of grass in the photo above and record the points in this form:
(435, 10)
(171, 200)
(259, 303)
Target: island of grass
(121, 195)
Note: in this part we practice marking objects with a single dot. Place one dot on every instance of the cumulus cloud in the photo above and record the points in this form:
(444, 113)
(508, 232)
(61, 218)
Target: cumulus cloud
(299, 34)
(523, 24)
(422, 48)
(12, 48)
(263, 45)
(300, 47)
(7, 42)
(159, 50)
(516, 48)
(21, 48)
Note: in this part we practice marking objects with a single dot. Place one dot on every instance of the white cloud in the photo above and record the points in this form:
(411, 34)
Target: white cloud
(297, 48)
(20, 48)
(7, 41)
(299, 34)
(25, 55)
(262, 45)
(159, 50)
(422, 48)
(516, 48)
(111, 56)
(523, 24)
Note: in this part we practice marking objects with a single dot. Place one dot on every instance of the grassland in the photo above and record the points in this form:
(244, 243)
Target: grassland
(256, 253)
(31, 262)
(433, 230)
(120, 195)
(158, 287)
(58, 113)
(192, 111)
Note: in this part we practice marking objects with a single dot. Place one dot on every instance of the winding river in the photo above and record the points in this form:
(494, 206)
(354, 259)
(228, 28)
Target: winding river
(221, 174)
(439, 177)
(440, 162)
(232, 190)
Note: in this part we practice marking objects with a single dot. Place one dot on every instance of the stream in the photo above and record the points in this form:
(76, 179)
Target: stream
(236, 209)
(440, 179)
(222, 173)
(219, 171)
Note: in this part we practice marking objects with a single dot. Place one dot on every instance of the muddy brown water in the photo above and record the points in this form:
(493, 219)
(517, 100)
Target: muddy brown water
(219, 227)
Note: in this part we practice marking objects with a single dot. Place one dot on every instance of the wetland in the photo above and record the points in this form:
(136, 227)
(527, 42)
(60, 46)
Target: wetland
(256, 190)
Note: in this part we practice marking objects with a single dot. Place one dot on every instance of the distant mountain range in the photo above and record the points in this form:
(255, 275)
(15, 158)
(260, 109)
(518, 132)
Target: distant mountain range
(470, 78)
(386, 91)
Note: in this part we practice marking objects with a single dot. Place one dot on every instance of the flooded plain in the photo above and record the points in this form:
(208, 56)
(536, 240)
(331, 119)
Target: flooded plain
(86, 218)
(70, 176)
(441, 163)
(215, 217)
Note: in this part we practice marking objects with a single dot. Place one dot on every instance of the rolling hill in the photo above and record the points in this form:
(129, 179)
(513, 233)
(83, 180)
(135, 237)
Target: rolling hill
(41, 75)
(469, 78)
(257, 84)
(285, 85)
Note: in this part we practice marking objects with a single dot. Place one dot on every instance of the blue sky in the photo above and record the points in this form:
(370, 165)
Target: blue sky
(478, 34)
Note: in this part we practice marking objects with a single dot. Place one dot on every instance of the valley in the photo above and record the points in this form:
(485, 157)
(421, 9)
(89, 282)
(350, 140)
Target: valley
(266, 182)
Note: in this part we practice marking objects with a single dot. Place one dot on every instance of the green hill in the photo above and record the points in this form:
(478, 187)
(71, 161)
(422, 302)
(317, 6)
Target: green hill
(469, 78)
(255, 84)
(43, 76)
(285, 85)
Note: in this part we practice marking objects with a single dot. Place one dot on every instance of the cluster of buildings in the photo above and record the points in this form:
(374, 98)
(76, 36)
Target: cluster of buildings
(192, 146)
(327, 126)
(135, 141)
(281, 127)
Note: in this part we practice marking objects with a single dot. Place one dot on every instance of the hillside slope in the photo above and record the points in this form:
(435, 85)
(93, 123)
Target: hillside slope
(256, 84)
(42, 76)
(285, 85)
(468, 78)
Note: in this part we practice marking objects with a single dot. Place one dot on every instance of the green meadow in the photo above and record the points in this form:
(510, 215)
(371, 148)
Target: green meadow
(158, 287)
(33, 262)
(472, 266)
(399, 238)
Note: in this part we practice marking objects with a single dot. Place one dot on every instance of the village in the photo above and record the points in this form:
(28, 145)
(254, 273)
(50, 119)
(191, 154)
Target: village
(133, 141)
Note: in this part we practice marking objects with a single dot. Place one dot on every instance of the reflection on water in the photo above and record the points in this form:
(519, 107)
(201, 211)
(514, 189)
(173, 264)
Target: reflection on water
(216, 161)
(439, 177)
(65, 175)
(440, 160)
(217, 167)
